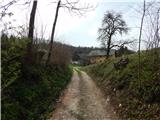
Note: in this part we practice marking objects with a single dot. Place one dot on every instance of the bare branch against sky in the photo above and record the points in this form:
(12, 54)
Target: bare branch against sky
(4, 6)
(84, 27)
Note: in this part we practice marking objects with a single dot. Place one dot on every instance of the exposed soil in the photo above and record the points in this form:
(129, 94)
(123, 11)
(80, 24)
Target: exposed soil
(82, 100)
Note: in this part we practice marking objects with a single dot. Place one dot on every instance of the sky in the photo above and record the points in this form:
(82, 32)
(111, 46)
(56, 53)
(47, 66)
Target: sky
(79, 30)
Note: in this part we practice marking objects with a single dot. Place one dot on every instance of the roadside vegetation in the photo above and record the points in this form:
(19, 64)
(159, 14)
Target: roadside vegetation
(35, 71)
(29, 91)
(132, 99)
(131, 82)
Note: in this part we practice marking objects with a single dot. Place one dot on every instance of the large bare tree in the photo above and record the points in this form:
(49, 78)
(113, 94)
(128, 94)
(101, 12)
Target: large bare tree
(112, 24)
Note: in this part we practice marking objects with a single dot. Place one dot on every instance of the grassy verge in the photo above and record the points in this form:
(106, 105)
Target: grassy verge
(131, 101)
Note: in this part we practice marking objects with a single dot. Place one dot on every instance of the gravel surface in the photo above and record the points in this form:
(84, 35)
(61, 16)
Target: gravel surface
(82, 100)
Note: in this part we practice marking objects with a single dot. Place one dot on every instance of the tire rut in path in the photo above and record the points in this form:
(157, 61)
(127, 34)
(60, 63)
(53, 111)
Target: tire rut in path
(82, 100)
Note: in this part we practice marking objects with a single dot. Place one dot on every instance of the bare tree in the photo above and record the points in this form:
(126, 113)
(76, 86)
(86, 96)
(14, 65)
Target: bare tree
(152, 20)
(153, 26)
(71, 7)
(140, 35)
(43, 30)
(53, 31)
(112, 24)
(31, 30)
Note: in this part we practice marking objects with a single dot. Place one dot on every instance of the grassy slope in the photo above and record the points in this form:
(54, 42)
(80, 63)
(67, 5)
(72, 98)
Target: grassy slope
(130, 101)
(28, 91)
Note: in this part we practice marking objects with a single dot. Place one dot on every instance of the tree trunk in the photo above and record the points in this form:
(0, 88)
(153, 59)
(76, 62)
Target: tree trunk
(53, 31)
(108, 46)
(31, 31)
(140, 35)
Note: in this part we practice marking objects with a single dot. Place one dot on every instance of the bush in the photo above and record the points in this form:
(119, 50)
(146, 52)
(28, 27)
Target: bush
(34, 95)
(12, 53)
(28, 90)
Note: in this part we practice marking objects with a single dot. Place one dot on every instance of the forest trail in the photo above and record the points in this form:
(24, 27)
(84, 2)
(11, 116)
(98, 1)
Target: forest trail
(82, 100)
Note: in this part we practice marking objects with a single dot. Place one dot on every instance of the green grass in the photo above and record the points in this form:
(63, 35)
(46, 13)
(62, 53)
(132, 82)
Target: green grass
(123, 86)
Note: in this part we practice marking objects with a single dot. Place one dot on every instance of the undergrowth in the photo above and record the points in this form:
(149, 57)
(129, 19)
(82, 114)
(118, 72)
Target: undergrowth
(133, 99)
(29, 91)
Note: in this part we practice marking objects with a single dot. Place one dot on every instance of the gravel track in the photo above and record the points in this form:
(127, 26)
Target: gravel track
(82, 100)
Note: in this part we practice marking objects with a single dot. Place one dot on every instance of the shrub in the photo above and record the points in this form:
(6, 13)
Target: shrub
(28, 90)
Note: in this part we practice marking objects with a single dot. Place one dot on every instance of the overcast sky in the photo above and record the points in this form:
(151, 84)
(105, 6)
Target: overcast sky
(75, 30)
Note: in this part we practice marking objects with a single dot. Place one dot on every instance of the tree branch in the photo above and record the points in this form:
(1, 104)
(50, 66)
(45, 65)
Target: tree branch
(4, 8)
(121, 43)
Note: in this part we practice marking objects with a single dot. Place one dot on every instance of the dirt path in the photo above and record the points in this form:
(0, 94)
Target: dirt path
(82, 100)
